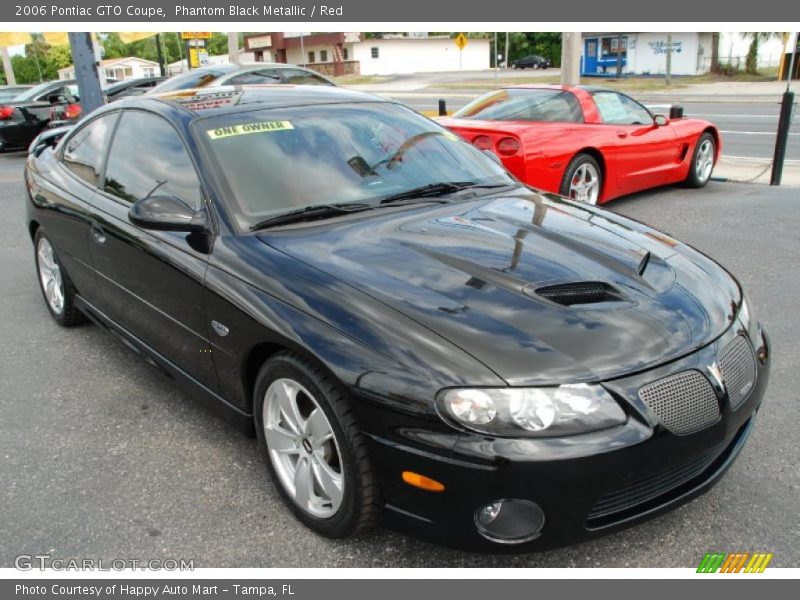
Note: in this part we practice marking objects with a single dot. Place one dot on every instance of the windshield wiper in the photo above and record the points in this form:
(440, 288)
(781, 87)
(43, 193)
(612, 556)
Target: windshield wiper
(438, 189)
(308, 213)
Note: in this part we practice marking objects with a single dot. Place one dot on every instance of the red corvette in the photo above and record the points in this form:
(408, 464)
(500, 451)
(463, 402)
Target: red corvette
(588, 143)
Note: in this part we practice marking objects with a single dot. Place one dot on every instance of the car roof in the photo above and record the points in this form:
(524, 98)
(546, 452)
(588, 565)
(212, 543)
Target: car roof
(210, 101)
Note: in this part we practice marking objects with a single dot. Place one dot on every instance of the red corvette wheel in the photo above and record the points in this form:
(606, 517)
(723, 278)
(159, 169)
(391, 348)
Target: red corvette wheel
(702, 161)
(582, 180)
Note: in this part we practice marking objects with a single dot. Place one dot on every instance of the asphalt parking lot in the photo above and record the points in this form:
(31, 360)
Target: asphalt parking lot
(103, 458)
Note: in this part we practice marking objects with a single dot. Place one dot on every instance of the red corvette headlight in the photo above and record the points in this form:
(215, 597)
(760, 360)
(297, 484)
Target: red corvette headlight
(507, 146)
(484, 142)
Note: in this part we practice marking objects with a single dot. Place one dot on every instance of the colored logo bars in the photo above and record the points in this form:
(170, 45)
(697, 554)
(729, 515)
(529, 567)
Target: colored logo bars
(736, 562)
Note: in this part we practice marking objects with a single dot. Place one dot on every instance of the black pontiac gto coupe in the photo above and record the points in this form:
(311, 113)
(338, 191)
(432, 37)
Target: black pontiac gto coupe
(409, 331)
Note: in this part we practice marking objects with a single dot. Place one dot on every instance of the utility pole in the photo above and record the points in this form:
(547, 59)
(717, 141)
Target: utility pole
(668, 78)
(496, 56)
(570, 58)
(784, 121)
(507, 53)
(8, 67)
(302, 50)
(85, 61)
(233, 47)
(619, 55)
(161, 68)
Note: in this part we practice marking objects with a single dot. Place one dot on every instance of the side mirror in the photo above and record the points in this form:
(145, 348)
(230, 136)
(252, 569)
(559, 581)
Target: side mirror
(167, 213)
(661, 120)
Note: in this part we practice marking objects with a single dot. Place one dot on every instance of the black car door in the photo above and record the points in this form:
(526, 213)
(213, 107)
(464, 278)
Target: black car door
(152, 281)
(66, 187)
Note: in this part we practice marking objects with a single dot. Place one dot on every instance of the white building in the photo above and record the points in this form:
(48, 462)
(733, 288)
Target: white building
(119, 68)
(390, 56)
(342, 53)
(645, 53)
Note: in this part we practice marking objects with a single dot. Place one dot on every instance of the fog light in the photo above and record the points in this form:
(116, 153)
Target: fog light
(510, 521)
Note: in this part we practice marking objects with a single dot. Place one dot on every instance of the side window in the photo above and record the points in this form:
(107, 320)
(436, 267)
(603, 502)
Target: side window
(262, 76)
(148, 157)
(617, 109)
(86, 149)
(299, 77)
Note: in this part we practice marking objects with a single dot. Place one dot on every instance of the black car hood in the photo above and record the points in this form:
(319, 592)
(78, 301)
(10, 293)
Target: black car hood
(472, 271)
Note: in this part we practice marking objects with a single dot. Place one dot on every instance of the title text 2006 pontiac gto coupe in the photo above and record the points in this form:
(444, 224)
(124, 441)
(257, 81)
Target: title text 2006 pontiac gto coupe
(408, 330)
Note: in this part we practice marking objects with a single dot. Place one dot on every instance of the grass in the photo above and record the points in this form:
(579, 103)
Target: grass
(358, 79)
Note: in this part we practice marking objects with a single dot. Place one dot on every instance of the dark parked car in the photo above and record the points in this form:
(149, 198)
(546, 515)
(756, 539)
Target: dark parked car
(534, 61)
(228, 74)
(27, 114)
(32, 111)
(407, 329)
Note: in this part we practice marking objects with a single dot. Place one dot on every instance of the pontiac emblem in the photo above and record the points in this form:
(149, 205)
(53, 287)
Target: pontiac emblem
(716, 374)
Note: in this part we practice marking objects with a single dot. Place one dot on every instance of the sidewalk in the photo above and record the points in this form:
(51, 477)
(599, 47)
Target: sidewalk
(751, 170)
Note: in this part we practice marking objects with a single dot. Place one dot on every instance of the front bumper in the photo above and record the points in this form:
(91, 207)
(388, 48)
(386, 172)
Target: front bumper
(586, 485)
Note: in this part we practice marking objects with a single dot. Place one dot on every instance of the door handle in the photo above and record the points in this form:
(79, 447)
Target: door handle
(622, 134)
(98, 235)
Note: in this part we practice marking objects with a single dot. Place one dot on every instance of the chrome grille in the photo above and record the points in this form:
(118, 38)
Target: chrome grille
(738, 366)
(684, 402)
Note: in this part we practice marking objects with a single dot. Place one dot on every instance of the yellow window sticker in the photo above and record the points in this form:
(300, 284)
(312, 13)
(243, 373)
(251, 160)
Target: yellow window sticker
(223, 132)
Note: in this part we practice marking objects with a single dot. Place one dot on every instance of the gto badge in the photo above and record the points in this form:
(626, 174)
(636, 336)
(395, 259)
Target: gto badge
(716, 374)
(219, 328)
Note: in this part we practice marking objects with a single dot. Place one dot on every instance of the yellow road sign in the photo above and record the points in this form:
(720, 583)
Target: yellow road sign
(196, 35)
(461, 41)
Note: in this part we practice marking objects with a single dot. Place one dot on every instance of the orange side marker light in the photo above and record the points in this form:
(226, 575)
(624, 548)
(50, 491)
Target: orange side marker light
(422, 482)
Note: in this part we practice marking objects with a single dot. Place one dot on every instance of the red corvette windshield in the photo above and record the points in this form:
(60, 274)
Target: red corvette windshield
(523, 104)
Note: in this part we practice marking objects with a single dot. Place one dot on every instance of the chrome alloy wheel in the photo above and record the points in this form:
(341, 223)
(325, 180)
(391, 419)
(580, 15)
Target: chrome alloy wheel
(50, 276)
(704, 163)
(585, 184)
(302, 448)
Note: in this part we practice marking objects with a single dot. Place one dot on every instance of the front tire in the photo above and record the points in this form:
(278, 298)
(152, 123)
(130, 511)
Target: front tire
(582, 180)
(702, 161)
(57, 289)
(315, 454)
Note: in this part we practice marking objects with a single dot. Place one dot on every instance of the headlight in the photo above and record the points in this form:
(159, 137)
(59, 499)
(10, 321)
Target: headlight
(532, 412)
(749, 322)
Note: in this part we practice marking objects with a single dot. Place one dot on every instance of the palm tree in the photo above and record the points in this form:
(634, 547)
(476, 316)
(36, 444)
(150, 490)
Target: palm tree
(715, 52)
(756, 39)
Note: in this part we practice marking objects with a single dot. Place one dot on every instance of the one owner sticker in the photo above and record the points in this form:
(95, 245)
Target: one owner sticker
(223, 132)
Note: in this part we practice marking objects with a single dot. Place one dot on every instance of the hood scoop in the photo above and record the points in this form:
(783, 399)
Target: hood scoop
(580, 293)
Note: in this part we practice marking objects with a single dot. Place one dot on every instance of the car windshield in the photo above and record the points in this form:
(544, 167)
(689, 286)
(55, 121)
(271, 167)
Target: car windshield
(284, 159)
(524, 105)
(192, 79)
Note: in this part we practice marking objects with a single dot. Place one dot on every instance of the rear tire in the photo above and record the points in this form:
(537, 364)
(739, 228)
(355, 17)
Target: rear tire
(315, 453)
(56, 286)
(703, 161)
(582, 180)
